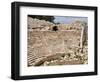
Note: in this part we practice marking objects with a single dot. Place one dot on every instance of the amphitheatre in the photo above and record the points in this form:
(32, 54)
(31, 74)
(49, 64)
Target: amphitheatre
(52, 44)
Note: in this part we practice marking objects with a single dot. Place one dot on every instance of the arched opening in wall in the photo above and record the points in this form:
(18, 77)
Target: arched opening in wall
(55, 28)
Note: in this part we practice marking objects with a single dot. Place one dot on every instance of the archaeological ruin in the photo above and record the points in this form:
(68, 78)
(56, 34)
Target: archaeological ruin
(56, 44)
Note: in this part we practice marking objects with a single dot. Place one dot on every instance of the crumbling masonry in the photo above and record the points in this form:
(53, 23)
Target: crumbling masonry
(56, 44)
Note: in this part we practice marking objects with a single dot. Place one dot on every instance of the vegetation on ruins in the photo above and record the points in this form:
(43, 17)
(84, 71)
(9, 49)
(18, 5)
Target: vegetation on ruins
(46, 18)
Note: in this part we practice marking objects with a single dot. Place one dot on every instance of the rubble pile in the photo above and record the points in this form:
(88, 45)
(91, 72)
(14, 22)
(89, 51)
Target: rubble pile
(39, 25)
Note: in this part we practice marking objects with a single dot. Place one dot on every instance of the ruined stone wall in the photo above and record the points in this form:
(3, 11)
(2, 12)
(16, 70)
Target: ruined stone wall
(46, 44)
(42, 25)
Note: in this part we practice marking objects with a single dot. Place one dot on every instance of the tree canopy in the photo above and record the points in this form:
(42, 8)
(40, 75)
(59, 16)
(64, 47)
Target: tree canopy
(40, 17)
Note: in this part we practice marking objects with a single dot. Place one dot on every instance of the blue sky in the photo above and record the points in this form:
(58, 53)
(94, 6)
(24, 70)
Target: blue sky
(69, 19)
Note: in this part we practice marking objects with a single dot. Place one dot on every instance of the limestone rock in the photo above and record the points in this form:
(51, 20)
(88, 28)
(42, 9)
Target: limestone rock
(47, 46)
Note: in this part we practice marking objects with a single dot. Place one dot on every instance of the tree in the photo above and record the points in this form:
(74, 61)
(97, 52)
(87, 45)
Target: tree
(40, 17)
